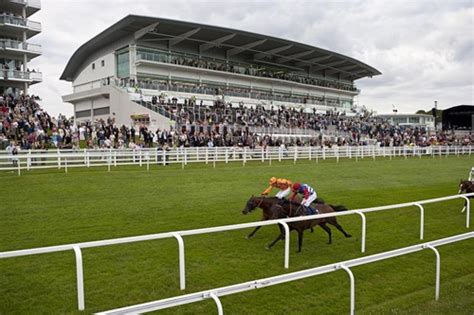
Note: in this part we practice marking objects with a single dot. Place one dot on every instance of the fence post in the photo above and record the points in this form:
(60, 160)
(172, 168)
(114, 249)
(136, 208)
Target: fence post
(185, 157)
(215, 157)
(80, 278)
(218, 303)
(226, 155)
(438, 269)
(244, 160)
(309, 153)
(324, 153)
(351, 277)
(182, 269)
(287, 244)
(468, 209)
(207, 155)
(364, 229)
(18, 165)
(109, 160)
(422, 219)
(59, 159)
(140, 153)
(28, 161)
(295, 155)
(88, 158)
(65, 165)
(263, 155)
(337, 153)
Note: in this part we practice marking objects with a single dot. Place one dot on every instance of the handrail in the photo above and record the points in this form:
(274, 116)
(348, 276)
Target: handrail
(266, 282)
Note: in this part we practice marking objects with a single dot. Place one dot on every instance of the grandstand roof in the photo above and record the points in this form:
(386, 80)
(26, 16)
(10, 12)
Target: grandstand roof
(259, 48)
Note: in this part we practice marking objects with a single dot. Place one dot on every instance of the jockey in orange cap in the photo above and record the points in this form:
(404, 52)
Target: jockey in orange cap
(309, 195)
(284, 185)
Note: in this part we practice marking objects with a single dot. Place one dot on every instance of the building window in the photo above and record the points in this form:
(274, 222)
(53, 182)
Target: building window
(102, 63)
(93, 66)
(83, 113)
(101, 111)
(414, 120)
(123, 65)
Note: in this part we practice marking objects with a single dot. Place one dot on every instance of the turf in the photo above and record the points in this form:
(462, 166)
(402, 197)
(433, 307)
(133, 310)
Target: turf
(48, 207)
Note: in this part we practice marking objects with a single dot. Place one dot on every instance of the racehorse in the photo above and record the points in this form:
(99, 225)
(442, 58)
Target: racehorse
(293, 209)
(466, 186)
(273, 208)
(264, 203)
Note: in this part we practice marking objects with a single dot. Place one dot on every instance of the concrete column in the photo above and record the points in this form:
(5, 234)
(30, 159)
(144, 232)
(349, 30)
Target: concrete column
(92, 110)
(133, 58)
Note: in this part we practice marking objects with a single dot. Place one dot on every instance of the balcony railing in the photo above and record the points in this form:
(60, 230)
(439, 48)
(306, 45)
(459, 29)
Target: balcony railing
(19, 21)
(14, 44)
(32, 25)
(21, 75)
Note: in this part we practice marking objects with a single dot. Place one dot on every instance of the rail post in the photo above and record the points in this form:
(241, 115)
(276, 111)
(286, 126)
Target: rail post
(28, 160)
(215, 157)
(218, 303)
(468, 210)
(295, 156)
(287, 244)
(109, 161)
(65, 165)
(182, 270)
(226, 155)
(80, 278)
(309, 153)
(337, 153)
(263, 155)
(422, 219)
(364, 231)
(438, 269)
(207, 155)
(352, 292)
(59, 159)
(18, 165)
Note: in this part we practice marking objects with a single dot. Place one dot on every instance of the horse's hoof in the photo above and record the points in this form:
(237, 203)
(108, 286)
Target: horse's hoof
(348, 235)
(248, 237)
(329, 243)
(267, 248)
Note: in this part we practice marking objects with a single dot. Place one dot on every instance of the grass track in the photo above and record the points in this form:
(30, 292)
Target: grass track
(44, 208)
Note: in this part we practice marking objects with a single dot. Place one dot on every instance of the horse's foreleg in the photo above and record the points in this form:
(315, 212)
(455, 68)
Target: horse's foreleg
(334, 222)
(464, 208)
(280, 237)
(328, 230)
(253, 232)
(300, 240)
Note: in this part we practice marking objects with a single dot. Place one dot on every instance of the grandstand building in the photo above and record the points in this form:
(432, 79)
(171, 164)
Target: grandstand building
(123, 71)
(16, 29)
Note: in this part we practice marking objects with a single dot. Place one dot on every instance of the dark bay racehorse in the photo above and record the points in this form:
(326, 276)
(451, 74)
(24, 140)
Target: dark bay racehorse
(293, 209)
(466, 186)
(264, 203)
(273, 208)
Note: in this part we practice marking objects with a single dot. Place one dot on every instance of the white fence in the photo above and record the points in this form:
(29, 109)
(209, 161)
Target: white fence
(178, 235)
(64, 159)
(266, 282)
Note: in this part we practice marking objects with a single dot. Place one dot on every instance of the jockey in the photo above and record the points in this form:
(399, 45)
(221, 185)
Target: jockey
(284, 185)
(309, 195)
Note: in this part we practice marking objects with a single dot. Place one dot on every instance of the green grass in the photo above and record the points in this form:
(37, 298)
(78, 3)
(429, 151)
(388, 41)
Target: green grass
(44, 208)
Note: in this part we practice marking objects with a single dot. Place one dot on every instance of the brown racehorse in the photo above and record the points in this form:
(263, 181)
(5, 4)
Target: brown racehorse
(466, 186)
(293, 209)
(264, 203)
(273, 208)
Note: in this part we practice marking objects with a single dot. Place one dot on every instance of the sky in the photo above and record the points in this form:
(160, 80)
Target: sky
(424, 49)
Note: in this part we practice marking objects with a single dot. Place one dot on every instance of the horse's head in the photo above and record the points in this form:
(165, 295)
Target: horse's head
(463, 186)
(251, 204)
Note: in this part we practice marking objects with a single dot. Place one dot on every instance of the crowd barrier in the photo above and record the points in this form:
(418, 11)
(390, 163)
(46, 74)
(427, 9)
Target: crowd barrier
(64, 159)
(178, 235)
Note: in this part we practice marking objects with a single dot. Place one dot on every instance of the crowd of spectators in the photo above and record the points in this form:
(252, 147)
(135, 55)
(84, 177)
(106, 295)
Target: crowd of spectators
(25, 125)
(259, 71)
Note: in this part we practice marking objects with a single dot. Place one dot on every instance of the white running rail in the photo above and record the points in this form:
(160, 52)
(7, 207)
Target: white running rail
(266, 282)
(111, 158)
(178, 235)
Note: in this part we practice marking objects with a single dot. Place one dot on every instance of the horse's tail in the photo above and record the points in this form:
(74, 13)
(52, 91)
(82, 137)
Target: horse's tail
(338, 208)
